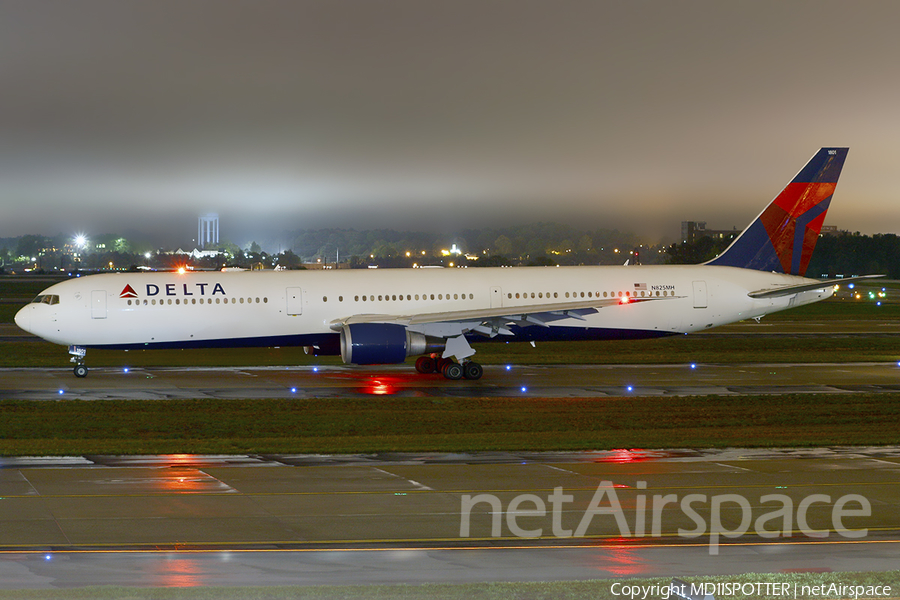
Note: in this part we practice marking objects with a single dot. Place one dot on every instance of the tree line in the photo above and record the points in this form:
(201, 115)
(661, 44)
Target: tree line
(842, 254)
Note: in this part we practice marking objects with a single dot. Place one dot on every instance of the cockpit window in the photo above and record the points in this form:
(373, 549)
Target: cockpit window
(46, 299)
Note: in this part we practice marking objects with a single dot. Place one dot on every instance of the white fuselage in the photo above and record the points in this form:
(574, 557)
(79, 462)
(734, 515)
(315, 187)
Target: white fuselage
(263, 308)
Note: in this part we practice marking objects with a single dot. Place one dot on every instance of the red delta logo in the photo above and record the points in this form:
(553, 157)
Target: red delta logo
(794, 220)
(128, 292)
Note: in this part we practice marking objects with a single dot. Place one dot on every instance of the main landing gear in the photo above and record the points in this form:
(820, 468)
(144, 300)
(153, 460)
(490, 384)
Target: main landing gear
(78, 353)
(451, 370)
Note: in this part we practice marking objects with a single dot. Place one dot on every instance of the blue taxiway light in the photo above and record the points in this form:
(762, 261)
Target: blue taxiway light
(125, 369)
(508, 367)
(293, 390)
(524, 389)
(61, 392)
(693, 365)
(315, 369)
(629, 388)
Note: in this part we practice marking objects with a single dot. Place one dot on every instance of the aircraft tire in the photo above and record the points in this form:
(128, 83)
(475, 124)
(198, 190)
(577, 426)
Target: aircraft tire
(425, 364)
(80, 371)
(453, 371)
(472, 370)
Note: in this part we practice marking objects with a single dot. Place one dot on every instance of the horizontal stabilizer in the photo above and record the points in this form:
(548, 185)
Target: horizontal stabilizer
(790, 290)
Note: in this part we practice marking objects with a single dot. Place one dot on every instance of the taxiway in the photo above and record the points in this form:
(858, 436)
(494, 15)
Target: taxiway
(559, 381)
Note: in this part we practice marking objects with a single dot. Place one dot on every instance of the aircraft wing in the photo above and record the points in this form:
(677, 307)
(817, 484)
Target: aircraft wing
(490, 320)
(790, 290)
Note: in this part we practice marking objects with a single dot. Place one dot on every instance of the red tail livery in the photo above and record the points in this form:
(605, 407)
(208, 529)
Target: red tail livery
(783, 236)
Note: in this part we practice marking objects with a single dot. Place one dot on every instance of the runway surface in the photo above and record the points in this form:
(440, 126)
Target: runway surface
(200, 520)
(498, 381)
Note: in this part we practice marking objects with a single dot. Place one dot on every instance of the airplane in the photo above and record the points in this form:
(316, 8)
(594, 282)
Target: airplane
(374, 317)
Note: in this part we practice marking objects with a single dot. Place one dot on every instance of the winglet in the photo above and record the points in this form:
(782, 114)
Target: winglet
(783, 236)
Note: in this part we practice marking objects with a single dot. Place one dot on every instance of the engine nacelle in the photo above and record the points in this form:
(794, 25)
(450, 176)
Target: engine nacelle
(383, 343)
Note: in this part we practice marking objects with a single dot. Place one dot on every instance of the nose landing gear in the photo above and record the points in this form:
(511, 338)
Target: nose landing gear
(78, 353)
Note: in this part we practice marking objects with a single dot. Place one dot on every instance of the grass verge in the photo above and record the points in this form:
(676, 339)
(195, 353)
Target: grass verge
(558, 590)
(230, 426)
(677, 349)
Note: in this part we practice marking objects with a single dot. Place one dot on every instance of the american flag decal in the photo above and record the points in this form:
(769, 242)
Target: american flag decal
(640, 287)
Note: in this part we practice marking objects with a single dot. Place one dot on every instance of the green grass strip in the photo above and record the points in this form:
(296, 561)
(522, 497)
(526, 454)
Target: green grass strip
(232, 426)
(560, 590)
(677, 349)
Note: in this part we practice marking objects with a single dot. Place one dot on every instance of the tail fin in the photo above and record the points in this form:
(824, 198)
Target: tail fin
(783, 236)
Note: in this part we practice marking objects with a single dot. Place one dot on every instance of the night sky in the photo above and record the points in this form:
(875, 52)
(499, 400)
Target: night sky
(439, 115)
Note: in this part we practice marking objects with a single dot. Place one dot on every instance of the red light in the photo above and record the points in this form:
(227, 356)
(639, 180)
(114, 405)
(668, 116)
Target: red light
(624, 300)
(380, 387)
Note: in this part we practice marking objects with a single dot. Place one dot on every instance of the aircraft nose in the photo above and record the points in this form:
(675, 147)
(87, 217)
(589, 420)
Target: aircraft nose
(23, 318)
